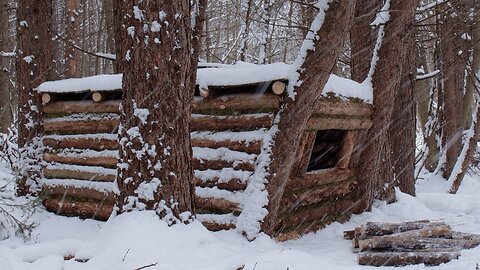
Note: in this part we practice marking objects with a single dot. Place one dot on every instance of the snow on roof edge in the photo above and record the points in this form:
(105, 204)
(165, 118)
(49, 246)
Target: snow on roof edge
(239, 74)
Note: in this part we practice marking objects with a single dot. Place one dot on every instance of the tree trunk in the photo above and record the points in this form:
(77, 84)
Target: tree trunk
(5, 110)
(294, 113)
(72, 32)
(453, 72)
(376, 153)
(402, 130)
(155, 170)
(34, 66)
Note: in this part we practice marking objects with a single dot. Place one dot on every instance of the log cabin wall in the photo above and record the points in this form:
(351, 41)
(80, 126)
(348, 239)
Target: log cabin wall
(228, 125)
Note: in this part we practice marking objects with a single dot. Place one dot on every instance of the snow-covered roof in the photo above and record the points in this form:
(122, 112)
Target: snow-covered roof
(217, 75)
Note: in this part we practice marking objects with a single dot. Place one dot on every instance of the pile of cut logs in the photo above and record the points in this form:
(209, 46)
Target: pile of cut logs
(416, 242)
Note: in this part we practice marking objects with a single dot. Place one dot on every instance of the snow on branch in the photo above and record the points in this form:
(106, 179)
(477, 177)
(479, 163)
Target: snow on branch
(7, 54)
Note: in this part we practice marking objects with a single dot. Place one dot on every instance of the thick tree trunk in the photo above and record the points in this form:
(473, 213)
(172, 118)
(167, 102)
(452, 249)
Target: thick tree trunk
(402, 131)
(72, 32)
(34, 65)
(155, 170)
(5, 110)
(453, 71)
(375, 158)
(294, 113)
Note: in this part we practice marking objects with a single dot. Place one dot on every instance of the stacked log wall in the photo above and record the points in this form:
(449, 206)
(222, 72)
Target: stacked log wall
(227, 131)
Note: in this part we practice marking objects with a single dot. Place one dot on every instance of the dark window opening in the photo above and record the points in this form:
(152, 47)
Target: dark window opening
(326, 150)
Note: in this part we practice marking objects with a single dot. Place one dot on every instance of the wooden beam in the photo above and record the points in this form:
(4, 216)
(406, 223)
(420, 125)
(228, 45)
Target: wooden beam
(110, 162)
(428, 257)
(329, 107)
(303, 154)
(83, 106)
(81, 193)
(216, 205)
(318, 178)
(324, 123)
(94, 143)
(231, 185)
(236, 104)
(346, 151)
(84, 209)
(82, 126)
(74, 174)
(234, 123)
(250, 147)
(220, 164)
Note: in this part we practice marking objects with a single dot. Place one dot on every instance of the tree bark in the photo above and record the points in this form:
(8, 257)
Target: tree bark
(72, 32)
(375, 162)
(294, 114)
(155, 170)
(34, 66)
(402, 131)
(5, 109)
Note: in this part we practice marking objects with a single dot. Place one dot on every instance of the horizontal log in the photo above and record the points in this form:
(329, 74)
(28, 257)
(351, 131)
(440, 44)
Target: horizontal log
(46, 98)
(83, 106)
(236, 104)
(83, 209)
(216, 205)
(215, 227)
(324, 123)
(309, 217)
(110, 162)
(81, 193)
(234, 123)
(250, 148)
(82, 126)
(81, 175)
(278, 87)
(81, 143)
(371, 229)
(220, 164)
(198, 123)
(318, 178)
(231, 185)
(429, 257)
(398, 243)
(98, 96)
(343, 108)
(292, 201)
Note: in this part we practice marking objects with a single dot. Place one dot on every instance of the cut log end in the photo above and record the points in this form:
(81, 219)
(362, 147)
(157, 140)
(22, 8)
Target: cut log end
(97, 96)
(204, 93)
(278, 87)
(46, 98)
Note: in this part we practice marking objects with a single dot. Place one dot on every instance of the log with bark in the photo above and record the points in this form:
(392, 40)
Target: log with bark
(83, 106)
(399, 244)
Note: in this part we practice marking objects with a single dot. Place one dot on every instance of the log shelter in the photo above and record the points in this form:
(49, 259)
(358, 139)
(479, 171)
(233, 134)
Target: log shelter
(228, 125)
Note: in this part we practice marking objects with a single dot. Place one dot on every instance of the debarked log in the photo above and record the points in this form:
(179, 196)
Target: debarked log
(318, 178)
(82, 126)
(220, 164)
(80, 192)
(399, 243)
(83, 106)
(110, 162)
(343, 123)
(371, 229)
(234, 123)
(242, 146)
(64, 173)
(236, 104)
(84, 209)
(94, 143)
(428, 257)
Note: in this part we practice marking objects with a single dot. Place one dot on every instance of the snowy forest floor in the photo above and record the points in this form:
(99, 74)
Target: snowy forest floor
(137, 240)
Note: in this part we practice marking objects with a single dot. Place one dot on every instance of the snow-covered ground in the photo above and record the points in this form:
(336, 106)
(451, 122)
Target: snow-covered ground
(137, 240)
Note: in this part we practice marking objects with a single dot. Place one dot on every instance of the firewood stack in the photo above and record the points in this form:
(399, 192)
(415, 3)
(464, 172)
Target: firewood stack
(416, 242)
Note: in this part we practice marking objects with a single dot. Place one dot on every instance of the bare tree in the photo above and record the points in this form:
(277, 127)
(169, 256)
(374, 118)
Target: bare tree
(72, 33)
